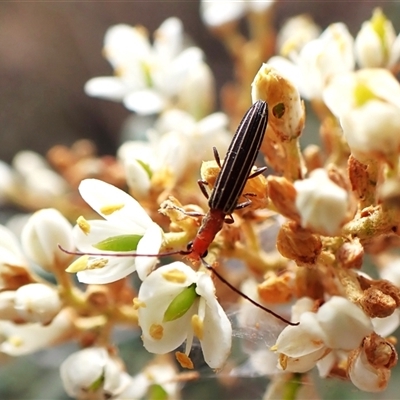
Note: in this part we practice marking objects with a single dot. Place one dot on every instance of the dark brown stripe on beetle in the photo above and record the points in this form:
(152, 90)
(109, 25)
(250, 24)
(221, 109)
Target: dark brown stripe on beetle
(240, 159)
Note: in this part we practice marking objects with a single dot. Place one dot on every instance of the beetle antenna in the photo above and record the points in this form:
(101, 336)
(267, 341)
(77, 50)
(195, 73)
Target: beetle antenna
(237, 291)
(125, 254)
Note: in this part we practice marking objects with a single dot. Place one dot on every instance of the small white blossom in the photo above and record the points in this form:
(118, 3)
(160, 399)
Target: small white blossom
(93, 371)
(295, 33)
(318, 61)
(337, 325)
(37, 176)
(374, 41)
(12, 261)
(21, 339)
(147, 77)
(126, 227)
(367, 103)
(164, 327)
(167, 157)
(219, 12)
(43, 233)
(321, 203)
(37, 302)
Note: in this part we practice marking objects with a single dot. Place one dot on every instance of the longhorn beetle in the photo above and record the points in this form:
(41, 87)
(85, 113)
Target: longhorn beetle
(229, 185)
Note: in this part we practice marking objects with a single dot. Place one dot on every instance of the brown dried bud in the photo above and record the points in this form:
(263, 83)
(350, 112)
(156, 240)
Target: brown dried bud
(390, 289)
(283, 194)
(380, 352)
(276, 288)
(298, 244)
(377, 304)
(312, 157)
(351, 254)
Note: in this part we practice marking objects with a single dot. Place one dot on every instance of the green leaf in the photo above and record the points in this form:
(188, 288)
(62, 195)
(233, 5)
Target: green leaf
(157, 392)
(181, 303)
(119, 243)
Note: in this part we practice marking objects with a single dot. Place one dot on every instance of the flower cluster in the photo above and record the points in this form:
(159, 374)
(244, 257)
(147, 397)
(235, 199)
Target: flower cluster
(301, 234)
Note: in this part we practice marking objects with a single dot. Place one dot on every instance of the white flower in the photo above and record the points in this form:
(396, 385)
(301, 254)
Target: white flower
(37, 175)
(43, 233)
(147, 77)
(295, 33)
(367, 104)
(337, 325)
(374, 41)
(321, 203)
(219, 12)
(167, 157)
(177, 303)
(318, 61)
(37, 302)
(12, 262)
(126, 227)
(300, 347)
(197, 134)
(21, 339)
(93, 371)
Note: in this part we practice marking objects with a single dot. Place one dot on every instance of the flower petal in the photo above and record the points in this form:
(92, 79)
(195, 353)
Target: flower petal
(216, 343)
(99, 194)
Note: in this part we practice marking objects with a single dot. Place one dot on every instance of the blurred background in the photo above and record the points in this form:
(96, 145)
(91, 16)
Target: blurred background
(48, 50)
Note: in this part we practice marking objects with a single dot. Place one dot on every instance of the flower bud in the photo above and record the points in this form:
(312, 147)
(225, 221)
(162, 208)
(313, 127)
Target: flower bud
(37, 302)
(38, 177)
(93, 371)
(286, 109)
(138, 176)
(365, 376)
(321, 203)
(21, 339)
(298, 244)
(41, 236)
(377, 304)
(283, 194)
(374, 41)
